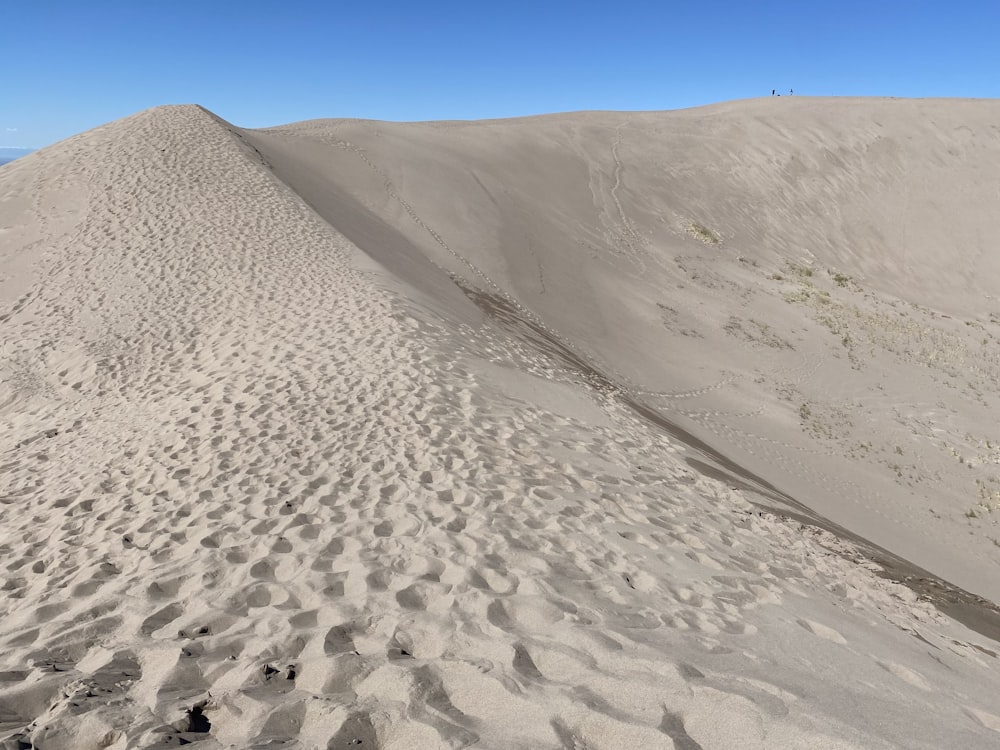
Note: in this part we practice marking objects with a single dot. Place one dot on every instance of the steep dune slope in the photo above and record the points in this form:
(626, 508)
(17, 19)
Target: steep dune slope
(257, 491)
(808, 285)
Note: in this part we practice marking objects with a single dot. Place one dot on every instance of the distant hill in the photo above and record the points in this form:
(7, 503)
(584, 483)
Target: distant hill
(9, 154)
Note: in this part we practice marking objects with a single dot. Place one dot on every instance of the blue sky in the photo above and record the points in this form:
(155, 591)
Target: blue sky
(70, 65)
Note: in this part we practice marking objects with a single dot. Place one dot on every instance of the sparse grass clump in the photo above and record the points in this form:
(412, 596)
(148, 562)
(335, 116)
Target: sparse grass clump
(825, 422)
(703, 233)
(980, 510)
(799, 269)
(844, 281)
(861, 450)
(801, 295)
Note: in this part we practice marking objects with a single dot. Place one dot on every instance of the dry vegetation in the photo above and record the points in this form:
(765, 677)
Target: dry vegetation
(703, 233)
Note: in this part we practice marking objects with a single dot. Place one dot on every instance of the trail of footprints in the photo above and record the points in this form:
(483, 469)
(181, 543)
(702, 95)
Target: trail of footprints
(269, 504)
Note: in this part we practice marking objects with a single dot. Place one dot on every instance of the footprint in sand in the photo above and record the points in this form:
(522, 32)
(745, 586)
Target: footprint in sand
(905, 674)
(160, 618)
(988, 720)
(822, 631)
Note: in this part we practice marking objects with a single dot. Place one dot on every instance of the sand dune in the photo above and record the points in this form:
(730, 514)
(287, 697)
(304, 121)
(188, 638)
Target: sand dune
(361, 434)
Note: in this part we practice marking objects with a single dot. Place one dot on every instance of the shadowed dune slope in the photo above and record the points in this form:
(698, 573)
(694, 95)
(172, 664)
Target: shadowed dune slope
(809, 285)
(456, 435)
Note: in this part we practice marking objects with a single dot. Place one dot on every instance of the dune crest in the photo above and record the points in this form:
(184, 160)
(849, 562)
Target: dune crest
(332, 435)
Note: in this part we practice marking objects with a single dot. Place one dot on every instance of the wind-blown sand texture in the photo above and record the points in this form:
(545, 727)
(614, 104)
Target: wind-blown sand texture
(510, 434)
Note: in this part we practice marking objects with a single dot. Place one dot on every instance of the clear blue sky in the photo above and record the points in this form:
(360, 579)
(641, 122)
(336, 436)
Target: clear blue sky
(70, 65)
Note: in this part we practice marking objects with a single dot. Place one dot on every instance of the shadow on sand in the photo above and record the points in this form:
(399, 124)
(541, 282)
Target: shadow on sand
(975, 612)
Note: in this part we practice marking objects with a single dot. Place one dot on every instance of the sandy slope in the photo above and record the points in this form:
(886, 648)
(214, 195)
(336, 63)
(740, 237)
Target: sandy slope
(846, 230)
(270, 478)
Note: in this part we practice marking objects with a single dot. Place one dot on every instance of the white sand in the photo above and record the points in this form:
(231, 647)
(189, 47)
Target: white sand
(270, 478)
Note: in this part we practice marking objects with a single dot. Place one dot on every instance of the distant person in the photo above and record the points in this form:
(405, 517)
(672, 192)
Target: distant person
(790, 92)
(772, 92)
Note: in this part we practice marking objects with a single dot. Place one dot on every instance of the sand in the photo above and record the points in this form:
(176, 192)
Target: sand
(597, 430)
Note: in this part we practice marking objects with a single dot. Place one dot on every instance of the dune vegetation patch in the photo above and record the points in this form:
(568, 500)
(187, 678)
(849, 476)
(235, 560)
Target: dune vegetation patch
(703, 233)
(844, 281)
(800, 271)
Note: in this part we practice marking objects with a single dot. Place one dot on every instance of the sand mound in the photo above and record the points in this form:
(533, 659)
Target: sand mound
(809, 285)
(271, 477)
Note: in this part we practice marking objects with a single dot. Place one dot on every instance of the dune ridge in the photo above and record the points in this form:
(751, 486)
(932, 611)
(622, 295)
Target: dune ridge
(271, 478)
(691, 233)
